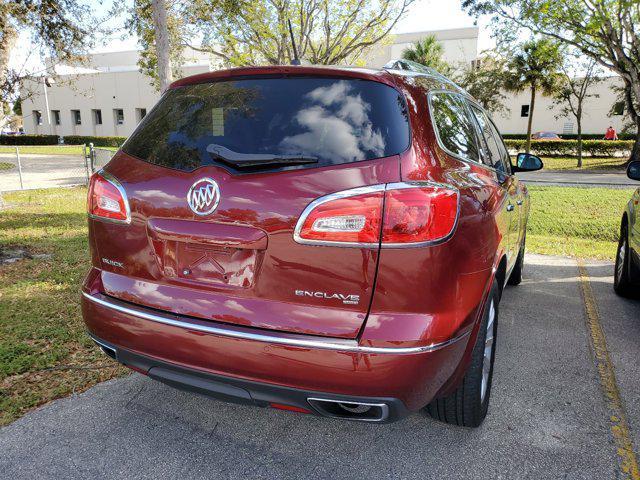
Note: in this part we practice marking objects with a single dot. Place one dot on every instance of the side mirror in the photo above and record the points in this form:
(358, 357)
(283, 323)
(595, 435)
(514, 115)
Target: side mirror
(526, 162)
(633, 170)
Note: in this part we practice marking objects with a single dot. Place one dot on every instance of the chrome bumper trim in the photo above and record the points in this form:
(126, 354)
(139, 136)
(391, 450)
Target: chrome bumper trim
(245, 333)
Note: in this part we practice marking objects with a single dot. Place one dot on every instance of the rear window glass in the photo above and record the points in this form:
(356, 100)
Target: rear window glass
(331, 120)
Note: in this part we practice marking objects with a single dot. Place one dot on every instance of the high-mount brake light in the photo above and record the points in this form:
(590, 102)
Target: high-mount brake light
(391, 215)
(107, 199)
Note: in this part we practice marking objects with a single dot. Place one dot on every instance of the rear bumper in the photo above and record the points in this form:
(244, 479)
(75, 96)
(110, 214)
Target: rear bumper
(262, 367)
(249, 392)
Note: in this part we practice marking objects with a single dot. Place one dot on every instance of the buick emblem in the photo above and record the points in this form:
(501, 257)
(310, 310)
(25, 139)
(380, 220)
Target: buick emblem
(204, 196)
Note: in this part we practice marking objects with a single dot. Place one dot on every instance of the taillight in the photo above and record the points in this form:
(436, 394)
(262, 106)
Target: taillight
(107, 199)
(396, 214)
(352, 217)
(415, 213)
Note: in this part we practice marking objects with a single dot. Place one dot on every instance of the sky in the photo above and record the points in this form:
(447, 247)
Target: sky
(422, 15)
(441, 15)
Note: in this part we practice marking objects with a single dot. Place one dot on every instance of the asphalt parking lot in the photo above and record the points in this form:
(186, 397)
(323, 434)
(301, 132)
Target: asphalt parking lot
(576, 178)
(550, 416)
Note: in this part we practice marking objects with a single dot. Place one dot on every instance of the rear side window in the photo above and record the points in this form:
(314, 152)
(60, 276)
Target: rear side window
(455, 127)
(332, 120)
(491, 142)
(499, 155)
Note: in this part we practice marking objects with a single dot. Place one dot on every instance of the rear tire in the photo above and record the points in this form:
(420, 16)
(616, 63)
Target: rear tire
(622, 273)
(516, 274)
(468, 405)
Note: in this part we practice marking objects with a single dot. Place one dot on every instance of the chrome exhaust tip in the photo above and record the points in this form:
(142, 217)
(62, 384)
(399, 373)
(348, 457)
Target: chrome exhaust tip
(360, 411)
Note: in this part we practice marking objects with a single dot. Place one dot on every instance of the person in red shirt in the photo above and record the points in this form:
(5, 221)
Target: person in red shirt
(611, 134)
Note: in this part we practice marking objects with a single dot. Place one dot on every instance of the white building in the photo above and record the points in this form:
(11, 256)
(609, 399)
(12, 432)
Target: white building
(595, 118)
(109, 96)
(460, 46)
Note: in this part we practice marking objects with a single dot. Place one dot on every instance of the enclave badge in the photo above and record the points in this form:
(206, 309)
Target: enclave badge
(346, 299)
(204, 196)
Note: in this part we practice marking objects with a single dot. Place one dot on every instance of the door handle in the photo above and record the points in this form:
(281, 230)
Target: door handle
(510, 208)
(519, 202)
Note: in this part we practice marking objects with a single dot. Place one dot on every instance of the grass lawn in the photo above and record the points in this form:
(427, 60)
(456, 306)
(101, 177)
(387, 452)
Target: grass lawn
(44, 149)
(578, 222)
(49, 149)
(588, 163)
(44, 352)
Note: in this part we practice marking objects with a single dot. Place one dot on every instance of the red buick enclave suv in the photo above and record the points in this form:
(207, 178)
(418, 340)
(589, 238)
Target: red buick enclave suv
(324, 240)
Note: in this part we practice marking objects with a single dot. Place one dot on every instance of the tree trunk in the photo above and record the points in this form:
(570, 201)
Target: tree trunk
(8, 38)
(634, 112)
(579, 143)
(532, 105)
(159, 8)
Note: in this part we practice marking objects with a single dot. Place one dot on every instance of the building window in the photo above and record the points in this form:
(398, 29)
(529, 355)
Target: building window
(618, 108)
(118, 115)
(567, 129)
(524, 111)
(56, 117)
(37, 117)
(97, 117)
(141, 113)
(75, 117)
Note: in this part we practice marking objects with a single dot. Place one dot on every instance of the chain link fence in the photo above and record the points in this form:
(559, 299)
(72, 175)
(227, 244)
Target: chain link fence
(49, 166)
(99, 157)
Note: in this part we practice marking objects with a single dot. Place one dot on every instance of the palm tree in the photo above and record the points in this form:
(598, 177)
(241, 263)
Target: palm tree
(428, 52)
(535, 67)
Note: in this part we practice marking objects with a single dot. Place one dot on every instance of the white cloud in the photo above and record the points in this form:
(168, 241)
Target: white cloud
(338, 126)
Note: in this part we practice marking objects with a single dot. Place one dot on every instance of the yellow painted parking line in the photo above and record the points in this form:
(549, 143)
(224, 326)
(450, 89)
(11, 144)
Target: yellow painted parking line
(617, 417)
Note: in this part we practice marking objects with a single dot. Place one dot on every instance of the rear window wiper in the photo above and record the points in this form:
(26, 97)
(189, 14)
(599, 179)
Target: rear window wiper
(243, 160)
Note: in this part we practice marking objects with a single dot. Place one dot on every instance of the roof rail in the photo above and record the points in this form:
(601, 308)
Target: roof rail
(402, 64)
(409, 66)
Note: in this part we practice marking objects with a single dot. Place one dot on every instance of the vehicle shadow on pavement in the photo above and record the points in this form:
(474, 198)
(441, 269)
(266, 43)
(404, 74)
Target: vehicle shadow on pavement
(546, 420)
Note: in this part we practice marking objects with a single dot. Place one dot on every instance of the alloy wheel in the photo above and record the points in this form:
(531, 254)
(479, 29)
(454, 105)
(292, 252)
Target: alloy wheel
(622, 250)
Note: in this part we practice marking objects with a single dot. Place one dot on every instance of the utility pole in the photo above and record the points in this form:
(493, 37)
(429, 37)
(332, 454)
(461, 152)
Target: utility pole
(47, 82)
(46, 104)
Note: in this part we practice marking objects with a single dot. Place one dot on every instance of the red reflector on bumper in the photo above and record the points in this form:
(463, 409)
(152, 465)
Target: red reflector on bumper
(290, 408)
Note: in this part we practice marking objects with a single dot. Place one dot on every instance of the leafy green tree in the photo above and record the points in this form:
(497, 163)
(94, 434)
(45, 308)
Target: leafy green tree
(17, 107)
(604, 30)
(534, 66)
(256, 32)
(428, 52)
(484, 80)
(141, 23)
(578, 76)
(58, 29)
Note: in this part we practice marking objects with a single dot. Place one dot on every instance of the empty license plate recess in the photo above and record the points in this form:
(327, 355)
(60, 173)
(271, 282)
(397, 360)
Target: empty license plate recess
(207, 253)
